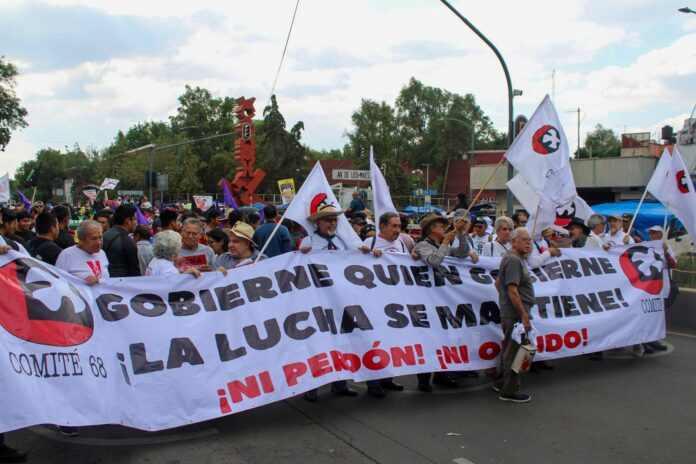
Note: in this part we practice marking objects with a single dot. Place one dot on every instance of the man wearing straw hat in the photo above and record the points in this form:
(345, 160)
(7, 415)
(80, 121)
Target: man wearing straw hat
(325, 217)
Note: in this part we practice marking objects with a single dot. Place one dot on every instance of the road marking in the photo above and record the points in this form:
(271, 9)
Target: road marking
(462, 461)
(53, 434)
(680, 334)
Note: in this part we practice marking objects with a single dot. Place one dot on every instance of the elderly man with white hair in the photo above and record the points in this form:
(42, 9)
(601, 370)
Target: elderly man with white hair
(164, 251)
(87, 260)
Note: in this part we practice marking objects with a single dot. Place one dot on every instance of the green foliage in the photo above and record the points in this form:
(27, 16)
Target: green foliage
(12, 114)
(601, 143)
(279, 152)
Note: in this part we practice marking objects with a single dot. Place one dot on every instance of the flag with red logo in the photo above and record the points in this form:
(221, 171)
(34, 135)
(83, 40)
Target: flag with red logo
(541, 154)
(316, 193)
(108, 184)
(671, 184)
(543, 213)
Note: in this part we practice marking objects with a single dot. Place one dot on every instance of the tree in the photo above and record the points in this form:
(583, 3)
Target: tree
(601, 142)
(12, 114)
(279, 152)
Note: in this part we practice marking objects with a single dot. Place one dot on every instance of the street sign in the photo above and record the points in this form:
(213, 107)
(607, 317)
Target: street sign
(350, 174)
(163, 182)
(424, 192)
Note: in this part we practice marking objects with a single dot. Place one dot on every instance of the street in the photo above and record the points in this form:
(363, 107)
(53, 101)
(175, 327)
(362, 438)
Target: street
(621, 409)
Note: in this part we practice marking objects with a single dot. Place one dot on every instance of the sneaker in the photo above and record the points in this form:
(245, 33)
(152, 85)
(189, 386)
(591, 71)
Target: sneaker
(657, 346)
(391, 385)
(647, 349)
(8, 454)
(638, 350)
(495, 389)
(311, 396)
(515, 398)
(68, 431)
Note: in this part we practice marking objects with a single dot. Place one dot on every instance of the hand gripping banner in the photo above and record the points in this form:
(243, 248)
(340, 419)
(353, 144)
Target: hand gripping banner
(155, 353)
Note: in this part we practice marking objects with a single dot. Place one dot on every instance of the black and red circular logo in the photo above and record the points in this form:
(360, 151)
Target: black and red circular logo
(643, 276)
(546, 140)
(565, 213)
(682, 181)
(40, 307)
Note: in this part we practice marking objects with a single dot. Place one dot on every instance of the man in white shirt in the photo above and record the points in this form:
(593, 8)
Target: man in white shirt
(87, 260)
(480, 236)
(389, 238)
(616, 235)
(597, 225)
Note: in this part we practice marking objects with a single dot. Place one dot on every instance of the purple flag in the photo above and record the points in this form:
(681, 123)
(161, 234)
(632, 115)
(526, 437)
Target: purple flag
(229, 199)
(25, 201)
(142, 220)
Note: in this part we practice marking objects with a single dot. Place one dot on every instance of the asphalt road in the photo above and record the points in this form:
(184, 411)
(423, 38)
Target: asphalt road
(620, 410)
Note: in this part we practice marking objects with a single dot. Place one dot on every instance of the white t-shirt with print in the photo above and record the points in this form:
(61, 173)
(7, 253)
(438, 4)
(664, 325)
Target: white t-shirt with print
(79, 263)
(159, 267)
(395, 246)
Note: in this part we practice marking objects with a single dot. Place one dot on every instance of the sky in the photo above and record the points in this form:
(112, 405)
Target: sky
(89, 68)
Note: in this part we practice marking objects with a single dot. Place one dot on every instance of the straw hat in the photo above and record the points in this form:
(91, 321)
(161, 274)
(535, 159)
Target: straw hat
(243, 230)
(428, 220)
(319, 208)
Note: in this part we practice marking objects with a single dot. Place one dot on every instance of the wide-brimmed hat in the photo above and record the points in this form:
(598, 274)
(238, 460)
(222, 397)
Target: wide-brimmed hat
(243, 230)
(656, 229)
(614, 217)
(320, 208)
(576, 221)
(428, 220)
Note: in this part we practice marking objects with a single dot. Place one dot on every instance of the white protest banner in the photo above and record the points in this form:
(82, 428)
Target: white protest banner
(109, 184)
(671, 184)
(203, 202)
(381, 197)
(5, 188)
(155, 353)
(541, 153)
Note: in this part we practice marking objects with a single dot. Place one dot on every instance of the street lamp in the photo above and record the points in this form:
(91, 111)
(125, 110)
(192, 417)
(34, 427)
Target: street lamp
(511, 92)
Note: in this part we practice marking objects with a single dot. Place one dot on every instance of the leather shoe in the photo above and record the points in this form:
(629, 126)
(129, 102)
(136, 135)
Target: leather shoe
(425, 387)
(345, 392)
(8, 454)
(391, 385)
(376, 391)
(311, 396)
(449, 383)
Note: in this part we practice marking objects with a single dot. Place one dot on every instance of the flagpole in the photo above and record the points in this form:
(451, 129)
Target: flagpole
(635, 215)
(265, 245)
(664, 226)
(33, 195)
(473, 202)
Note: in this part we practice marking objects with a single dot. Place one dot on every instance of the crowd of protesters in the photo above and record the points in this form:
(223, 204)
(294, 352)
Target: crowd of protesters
(109, 242)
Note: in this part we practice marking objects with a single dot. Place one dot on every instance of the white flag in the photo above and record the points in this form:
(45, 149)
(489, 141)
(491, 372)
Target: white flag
(5, 188)
(543, 213)
(540, 152)
(298, 211)
(381, 198)
(109, 184)
(203, 202)
(671, 184)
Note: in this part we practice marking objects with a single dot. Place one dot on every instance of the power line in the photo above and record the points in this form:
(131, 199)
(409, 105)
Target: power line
(287, 40)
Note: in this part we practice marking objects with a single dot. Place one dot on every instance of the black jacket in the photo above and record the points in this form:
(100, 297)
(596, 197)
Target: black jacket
(44, 249)
(65, 239)
(122, 253)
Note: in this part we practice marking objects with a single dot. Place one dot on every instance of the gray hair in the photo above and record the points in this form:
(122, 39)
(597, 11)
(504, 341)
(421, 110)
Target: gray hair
(166, 245)
(196, 221)
(503, 220)
(385, 217)
(518, 231)
(595, 220)
(85, 226)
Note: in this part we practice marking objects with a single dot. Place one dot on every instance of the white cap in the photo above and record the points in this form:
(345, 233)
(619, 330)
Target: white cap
(656, 229)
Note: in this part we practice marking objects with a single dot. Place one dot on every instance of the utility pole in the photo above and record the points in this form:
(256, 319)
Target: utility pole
(578, 112)
(427, 176)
